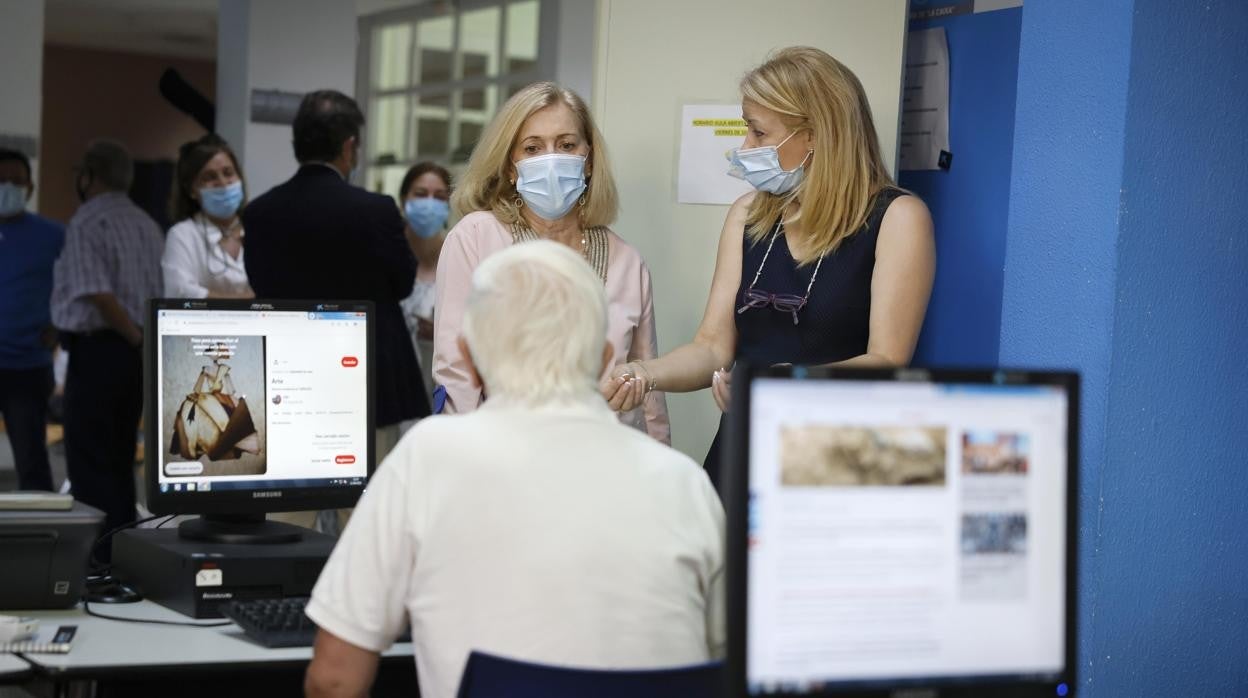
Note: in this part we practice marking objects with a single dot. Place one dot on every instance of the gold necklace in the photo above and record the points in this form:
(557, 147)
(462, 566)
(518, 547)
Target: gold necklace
(595, 245)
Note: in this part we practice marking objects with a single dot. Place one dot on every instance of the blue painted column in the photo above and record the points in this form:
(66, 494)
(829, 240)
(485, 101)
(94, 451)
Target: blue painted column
(1126, 259)
(1172, 612)
(1057, 308)
(1060, 258)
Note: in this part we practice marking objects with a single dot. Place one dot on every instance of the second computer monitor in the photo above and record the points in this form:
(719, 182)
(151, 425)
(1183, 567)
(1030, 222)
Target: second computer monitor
(902, 533)
(257, 406)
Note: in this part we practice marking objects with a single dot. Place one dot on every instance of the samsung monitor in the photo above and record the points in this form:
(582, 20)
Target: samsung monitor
(253, 407)
(902, 532)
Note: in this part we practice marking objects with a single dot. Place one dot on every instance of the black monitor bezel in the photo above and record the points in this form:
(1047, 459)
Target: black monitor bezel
(243, 502)
(736, 493)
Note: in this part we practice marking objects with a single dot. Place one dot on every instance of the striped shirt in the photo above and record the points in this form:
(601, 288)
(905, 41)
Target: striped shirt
(111, 246)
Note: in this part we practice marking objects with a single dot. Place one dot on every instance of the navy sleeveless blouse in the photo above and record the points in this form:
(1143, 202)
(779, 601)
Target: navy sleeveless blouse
(834, 324)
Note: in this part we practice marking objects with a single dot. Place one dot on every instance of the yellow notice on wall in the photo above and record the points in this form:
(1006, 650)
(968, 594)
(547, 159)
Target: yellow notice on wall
(720, 122)
(707, 133)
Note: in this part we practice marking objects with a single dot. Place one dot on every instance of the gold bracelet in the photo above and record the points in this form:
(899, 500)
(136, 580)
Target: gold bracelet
(651, 383)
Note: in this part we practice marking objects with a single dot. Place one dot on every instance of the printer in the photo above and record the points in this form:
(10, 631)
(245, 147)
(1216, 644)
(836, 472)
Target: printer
(44, 550)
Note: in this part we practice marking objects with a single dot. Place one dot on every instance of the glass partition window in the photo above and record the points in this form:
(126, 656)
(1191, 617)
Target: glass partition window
(433, 76)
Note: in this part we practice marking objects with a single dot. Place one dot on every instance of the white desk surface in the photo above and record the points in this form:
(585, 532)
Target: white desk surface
(12, 665)
(112, 646)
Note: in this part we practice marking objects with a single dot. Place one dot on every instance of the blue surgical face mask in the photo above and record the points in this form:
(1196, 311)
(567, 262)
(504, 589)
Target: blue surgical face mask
(426, 215)
(221, 202)
(551, 184)
(12, 199)
(761, 168)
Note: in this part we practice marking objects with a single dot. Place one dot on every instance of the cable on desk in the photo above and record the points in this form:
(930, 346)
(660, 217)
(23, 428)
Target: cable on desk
(99, 575)
(86, 606)
(101, 568)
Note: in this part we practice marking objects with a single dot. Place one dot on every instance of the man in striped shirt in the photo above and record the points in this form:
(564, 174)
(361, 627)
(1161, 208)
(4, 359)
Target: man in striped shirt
(109, 269)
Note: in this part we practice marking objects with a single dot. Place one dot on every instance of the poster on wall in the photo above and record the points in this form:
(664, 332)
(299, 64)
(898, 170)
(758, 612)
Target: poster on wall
(925, 102)
(707, 133)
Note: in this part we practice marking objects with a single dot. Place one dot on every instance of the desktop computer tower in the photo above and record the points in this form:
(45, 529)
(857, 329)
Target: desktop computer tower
(195, 578)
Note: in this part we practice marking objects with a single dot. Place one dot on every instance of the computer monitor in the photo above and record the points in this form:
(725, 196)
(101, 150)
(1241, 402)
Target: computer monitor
(902, 532)
(253, 407)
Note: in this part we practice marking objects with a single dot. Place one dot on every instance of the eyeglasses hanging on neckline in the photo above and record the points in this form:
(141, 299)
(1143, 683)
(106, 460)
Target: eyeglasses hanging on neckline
(784, 302)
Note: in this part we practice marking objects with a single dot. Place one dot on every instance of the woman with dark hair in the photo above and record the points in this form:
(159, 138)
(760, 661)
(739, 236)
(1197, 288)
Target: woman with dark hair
(425, 198)
(204, 249)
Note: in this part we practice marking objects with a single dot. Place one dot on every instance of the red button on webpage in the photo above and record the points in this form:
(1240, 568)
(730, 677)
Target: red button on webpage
(344, 460)
(350, 361)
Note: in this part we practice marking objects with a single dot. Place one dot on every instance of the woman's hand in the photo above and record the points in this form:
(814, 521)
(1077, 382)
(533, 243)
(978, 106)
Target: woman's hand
(625, 388)
(721, 388)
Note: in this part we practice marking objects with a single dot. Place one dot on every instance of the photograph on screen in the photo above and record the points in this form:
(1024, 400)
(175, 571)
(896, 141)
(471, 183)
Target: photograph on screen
(994, 557)
(995, 452)
(213, 404)
(816, 455)
(994, 533)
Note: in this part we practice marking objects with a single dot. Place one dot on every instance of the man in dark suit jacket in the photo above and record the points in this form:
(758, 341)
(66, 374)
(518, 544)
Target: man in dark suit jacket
(318, 236)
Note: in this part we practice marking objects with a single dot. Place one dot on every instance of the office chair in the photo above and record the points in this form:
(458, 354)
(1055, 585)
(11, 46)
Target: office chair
(488, 676)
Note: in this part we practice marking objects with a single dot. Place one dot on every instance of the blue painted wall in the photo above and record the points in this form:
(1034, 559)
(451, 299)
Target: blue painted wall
(1175, 481)
(970, 202)
(1061, 246)
(1126, 259)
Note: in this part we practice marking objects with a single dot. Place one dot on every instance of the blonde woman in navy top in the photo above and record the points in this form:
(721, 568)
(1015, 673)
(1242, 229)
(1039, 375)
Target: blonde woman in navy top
(827, 262)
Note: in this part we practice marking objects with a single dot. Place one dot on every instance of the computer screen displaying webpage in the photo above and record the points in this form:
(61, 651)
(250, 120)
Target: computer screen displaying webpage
(258, 399)
(904, 531)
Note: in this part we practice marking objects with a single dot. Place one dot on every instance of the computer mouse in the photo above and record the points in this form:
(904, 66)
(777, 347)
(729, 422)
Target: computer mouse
(110, 590)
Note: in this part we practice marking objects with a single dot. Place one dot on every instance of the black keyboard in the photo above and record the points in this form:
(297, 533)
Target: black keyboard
(278, 622)
(273, 622)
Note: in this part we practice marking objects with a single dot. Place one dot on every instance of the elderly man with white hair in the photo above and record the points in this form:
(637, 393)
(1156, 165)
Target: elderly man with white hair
(537, 527)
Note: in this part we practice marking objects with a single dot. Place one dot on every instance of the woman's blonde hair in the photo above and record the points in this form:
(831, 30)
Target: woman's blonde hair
(813, 91)
(486, 185)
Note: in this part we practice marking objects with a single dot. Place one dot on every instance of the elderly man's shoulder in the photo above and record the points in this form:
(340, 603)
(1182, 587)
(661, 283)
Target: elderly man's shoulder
(655, 454)
(439, 433)
(439, 426)
(87, 213)
(443, 438)
(655, 462)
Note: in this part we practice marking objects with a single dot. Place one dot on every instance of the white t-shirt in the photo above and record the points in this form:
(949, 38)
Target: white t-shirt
(195, 264)
(554, 535)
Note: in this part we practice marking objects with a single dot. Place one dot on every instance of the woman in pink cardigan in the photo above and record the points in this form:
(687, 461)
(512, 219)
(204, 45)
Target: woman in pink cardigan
(540, 172)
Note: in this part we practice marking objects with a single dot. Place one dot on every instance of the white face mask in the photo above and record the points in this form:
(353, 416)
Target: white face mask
(551, 184)
(12, 199)
(761, 168)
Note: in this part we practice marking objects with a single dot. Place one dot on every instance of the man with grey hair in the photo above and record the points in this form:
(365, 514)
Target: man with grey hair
(108, 270)
(537, 527)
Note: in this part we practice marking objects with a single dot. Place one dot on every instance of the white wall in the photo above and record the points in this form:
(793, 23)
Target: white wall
(655, 55)
(21, 83)
(287, 45)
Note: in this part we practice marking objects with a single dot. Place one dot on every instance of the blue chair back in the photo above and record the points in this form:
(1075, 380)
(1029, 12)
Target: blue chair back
(488, 676)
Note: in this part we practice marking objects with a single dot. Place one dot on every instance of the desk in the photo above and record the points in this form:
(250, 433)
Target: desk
(107, 650)
(13, 669)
